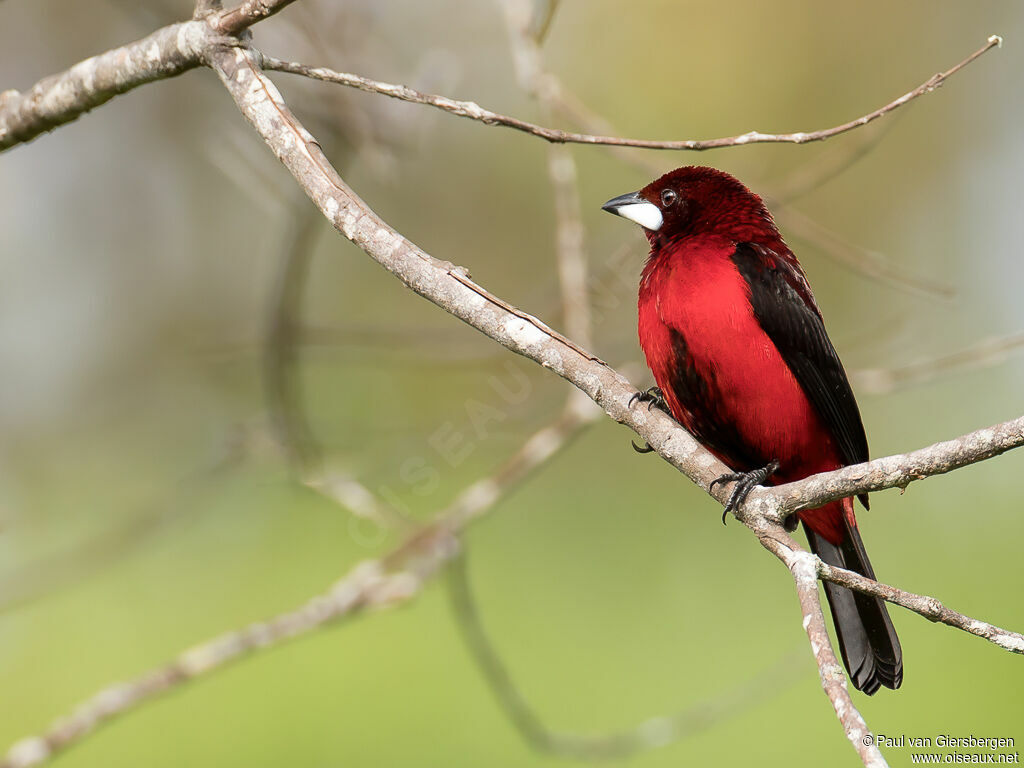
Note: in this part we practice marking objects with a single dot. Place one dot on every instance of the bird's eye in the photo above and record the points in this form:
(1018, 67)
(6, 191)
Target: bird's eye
(668, 198)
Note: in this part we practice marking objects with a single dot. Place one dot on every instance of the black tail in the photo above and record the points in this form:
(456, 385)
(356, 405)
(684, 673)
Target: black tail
(867, 639)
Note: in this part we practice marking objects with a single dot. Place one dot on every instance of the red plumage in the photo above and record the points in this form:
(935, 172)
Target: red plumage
(693, 288)
(738, 348)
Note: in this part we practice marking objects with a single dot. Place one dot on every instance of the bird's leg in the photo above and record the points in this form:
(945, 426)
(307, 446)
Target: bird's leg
(745, 483)
(654, 399)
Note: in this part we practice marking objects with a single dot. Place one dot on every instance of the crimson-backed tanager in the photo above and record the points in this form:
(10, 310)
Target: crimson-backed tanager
(740, 355)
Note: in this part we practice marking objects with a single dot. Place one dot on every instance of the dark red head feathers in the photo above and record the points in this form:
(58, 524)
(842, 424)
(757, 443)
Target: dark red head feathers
(697, 200)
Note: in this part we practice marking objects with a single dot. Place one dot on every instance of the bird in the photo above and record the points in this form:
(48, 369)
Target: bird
(740, 356)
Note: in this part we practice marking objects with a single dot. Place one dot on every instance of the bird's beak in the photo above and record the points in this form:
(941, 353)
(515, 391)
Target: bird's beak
(636, 209)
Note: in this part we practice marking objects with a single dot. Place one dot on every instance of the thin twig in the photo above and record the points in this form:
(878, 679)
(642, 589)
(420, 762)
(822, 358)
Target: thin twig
(474, 111)
(833, 681)
(923, 605)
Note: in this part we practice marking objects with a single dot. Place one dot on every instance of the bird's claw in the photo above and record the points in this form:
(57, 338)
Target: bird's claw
(745, 483)
(654, 398)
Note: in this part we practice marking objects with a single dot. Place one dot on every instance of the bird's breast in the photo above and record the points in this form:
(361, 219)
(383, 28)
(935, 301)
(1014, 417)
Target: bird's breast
(724, 378)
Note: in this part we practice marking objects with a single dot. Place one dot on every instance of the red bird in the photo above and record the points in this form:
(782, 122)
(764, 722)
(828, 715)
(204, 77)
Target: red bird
(741, 358)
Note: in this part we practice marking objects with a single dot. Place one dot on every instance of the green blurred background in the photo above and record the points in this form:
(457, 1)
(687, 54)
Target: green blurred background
(139, 250)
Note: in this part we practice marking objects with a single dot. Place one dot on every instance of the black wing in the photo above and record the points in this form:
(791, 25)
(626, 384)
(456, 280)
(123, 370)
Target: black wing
(785, 309)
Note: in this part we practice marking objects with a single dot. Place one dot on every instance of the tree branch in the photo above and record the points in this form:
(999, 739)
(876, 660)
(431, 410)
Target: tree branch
(474, 111)
(890, 471)
(168, 52)
(64, 97)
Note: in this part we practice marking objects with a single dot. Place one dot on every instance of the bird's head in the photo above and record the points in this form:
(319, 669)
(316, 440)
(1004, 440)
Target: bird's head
(696, 200)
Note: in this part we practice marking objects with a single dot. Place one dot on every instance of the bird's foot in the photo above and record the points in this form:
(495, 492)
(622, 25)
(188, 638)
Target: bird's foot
(654, 399)
(745, 483)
